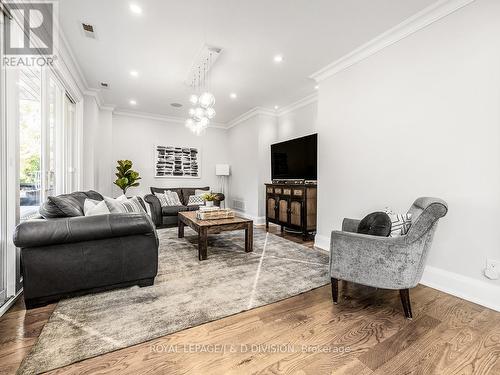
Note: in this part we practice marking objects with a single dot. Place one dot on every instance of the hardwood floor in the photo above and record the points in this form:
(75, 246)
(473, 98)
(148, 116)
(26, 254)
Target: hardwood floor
(366, 333)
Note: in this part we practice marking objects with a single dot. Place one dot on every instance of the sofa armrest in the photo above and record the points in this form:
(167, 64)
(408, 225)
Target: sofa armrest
(350, 225)
(41, 232)
(154, 208)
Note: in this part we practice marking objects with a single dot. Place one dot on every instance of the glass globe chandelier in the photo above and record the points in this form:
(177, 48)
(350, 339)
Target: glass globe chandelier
(202, 101)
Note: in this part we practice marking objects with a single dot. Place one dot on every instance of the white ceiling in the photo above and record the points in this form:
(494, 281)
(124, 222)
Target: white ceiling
(163, 41)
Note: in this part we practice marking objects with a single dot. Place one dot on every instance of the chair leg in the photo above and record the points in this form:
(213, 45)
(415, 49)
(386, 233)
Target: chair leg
(335, 290)
(405, 300)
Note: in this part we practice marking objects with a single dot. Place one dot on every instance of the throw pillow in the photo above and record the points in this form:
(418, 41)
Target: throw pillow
(173, 198)
(400, 223)
(123, 205)
(196, 200)
(162, 198)
(169, 198)
(375, 224)
(92, 207)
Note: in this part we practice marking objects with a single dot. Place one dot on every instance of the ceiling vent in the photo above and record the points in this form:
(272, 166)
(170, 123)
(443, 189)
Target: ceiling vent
(104, 85)
(88, 30)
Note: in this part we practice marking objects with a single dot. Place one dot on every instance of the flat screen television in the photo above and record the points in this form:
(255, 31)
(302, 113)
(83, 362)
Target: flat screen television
(295, 159)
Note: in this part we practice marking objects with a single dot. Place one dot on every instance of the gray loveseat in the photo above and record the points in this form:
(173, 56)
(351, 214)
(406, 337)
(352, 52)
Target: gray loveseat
(167, 216)
(386, 262)
(70, 256)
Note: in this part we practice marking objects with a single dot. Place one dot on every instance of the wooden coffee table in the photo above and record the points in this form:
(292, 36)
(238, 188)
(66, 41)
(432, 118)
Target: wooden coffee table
(205, 227)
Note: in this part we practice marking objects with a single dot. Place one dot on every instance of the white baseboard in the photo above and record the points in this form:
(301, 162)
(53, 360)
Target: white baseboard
(257, 220)
(8, 304)
(468, 288)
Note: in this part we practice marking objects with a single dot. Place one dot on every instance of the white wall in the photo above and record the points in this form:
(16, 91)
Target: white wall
(97, 150)
(90, 133)
(420, 118)
(298, 123)
(242, 141)
(104, 161)
(250, 159)
(268, 134)
(135, 138)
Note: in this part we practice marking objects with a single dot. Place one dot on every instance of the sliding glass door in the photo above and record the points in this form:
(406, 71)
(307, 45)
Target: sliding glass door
(31, 168)
(43, 138)
(3, 174)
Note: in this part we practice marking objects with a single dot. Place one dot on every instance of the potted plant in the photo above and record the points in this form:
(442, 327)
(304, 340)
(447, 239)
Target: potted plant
(209, 199)
(126, 176)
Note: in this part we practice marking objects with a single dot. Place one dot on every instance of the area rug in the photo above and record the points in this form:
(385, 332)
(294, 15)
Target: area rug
(185, 293)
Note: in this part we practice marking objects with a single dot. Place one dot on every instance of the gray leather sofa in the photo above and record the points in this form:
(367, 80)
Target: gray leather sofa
(69, 256)
(164, 217)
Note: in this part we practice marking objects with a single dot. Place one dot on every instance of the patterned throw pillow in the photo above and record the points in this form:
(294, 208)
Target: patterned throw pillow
(168, 198)
(196, 200)
(162, 198)
(173, 198)
(401, 223)
(123, 205)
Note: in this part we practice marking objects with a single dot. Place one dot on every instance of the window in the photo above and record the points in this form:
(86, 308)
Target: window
(30, 141)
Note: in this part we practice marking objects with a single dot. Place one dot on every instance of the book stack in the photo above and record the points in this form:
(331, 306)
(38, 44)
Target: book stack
(214, 213)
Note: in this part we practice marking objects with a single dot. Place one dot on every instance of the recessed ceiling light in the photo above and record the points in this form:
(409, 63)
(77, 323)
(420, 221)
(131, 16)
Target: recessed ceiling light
(134, 8)
(316, 87)
(278, 58)
(134, 73)
(233, 95)
(132, 102)
(276, 107)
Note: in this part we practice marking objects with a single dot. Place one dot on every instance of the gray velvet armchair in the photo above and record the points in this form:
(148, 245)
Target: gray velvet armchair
(386, 262)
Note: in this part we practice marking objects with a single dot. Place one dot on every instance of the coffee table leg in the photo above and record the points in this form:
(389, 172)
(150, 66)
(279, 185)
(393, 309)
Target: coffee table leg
(202, 244)
(180, 232)
(249, 238)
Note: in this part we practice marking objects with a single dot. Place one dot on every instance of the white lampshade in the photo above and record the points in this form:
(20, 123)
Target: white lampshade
(222, 169)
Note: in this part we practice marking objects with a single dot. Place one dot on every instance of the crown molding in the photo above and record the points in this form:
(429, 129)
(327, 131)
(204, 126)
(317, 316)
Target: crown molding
(75, 70)
(311, 98)
(72, 63)
(109, 108)
(418, 21)
(249, 114)
(163, 118)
